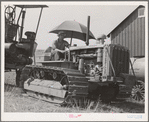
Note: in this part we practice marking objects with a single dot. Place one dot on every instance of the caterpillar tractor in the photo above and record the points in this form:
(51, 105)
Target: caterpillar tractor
(18, 50)
(91, 72)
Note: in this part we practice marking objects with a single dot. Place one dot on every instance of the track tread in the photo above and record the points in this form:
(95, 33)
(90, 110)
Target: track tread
(77, 81)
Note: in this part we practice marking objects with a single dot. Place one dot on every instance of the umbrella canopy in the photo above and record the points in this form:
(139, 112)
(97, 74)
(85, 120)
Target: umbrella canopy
(73, 29)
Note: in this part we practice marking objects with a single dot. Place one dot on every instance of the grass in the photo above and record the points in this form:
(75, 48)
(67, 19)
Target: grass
(20, 103)
(14, 101)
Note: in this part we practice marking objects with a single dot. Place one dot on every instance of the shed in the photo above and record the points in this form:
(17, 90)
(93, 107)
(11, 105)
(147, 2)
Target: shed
(131, 32)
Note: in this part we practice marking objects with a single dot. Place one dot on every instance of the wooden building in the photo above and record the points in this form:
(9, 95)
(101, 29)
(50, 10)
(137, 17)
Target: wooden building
(131, 32)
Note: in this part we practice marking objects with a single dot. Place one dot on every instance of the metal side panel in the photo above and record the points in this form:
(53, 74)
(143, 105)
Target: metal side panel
(51, 90)
(46, 98)
(41, 82)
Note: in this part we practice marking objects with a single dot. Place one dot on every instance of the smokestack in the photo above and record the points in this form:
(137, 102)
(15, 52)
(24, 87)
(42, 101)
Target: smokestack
(88, 28)
(21, 31)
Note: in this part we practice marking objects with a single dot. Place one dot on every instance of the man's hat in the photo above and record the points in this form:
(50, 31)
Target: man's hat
(61, 32)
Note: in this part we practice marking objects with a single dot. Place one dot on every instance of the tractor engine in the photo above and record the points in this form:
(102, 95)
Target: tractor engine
(18, 54)
(101, 63)
(18, 50)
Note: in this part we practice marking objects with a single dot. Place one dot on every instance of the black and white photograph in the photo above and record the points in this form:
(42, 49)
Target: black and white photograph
(74, 61)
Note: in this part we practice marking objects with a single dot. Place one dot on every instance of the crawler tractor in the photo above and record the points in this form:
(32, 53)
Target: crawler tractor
(92, 72)
(88, 72)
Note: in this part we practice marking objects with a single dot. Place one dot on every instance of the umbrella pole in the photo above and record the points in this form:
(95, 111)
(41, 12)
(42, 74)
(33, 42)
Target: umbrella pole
(70, 41)
(70, 45)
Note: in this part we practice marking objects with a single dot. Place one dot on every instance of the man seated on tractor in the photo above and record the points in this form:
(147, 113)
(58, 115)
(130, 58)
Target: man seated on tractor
(59, 47)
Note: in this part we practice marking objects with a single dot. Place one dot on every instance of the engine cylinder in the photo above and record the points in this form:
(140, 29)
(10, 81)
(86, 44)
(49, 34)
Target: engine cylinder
(25, 60)
(10, 48)
(81, 65)
(99, 55)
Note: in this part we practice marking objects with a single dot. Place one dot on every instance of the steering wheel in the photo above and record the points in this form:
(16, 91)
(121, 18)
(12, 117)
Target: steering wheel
(10, 13)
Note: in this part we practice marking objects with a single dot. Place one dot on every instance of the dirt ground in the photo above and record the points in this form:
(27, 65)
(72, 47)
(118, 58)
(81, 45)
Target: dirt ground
(15, 101)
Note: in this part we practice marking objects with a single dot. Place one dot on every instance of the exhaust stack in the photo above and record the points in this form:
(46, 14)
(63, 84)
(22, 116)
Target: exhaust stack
(88, 28)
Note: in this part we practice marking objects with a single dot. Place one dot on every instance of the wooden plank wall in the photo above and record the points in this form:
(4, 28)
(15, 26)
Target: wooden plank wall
(131, 33)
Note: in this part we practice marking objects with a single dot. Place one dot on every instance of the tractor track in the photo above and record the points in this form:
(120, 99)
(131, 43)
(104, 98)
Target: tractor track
(10, 86)
(14, 89)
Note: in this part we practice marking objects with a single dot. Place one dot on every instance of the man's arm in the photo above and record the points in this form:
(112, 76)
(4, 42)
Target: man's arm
(54, 47)
(62, 51)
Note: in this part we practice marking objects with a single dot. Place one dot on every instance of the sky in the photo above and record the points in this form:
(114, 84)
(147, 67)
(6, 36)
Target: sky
(104, 17)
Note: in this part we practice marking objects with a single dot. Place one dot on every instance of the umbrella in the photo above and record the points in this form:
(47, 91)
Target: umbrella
(73, 29)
